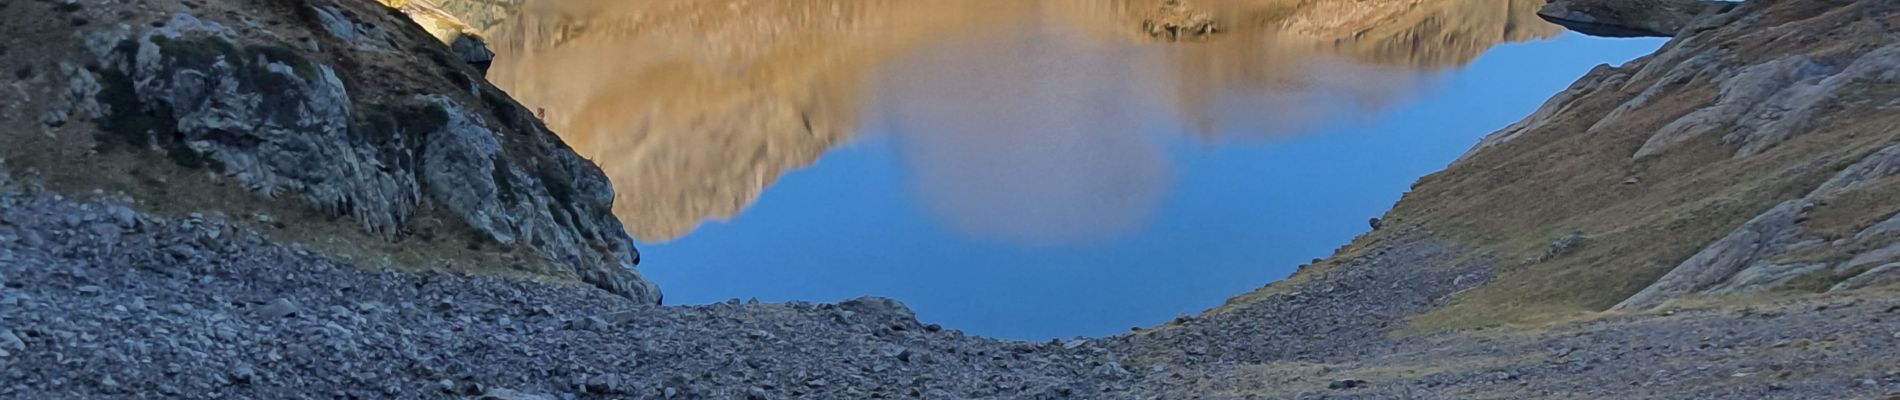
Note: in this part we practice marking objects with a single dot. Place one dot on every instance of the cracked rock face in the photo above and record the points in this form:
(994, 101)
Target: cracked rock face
(290, 121)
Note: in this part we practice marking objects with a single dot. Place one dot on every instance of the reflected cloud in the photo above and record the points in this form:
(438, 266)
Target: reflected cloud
(1026, 134)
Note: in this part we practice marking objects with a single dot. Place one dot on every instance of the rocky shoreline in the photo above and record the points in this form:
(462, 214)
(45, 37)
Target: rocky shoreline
(100, 301)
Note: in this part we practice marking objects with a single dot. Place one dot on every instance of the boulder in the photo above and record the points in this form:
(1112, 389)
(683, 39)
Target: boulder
(474, 51)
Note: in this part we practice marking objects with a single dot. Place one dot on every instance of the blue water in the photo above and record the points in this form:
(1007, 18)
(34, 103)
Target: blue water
(1164, 223)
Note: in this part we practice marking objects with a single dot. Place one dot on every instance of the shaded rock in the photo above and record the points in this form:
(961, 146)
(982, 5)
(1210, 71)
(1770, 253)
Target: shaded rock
(1628, 18)
(280, 308)
(473, 50)
(243, 373)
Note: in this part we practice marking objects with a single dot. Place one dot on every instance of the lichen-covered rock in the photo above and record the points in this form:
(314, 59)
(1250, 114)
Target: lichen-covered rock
(364, 116)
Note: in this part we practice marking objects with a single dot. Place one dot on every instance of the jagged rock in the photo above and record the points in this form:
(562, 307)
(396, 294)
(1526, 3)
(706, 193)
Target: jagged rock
(284, 123)
(473, 51)
(1628, 18)
(280, 308)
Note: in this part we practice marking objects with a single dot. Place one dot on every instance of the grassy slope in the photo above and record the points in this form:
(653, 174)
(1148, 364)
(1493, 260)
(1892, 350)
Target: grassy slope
(1640, 217)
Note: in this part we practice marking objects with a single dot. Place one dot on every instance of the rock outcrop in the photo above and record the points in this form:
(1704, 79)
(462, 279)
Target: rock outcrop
(464, 40)
(1749, 154)
(1629, 18)
(363, 116)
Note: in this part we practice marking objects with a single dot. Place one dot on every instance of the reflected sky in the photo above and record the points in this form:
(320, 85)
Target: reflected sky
(1022, 169)
(1229, 216)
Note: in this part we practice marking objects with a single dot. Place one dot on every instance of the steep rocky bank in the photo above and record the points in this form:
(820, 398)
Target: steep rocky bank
(318, 110)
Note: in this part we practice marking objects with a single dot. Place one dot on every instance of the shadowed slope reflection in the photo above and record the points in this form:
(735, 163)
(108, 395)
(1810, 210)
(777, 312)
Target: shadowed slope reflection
(1023, 120)
(694, 107)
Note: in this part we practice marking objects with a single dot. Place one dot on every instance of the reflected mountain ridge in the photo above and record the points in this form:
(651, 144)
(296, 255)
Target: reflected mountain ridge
(693, 108)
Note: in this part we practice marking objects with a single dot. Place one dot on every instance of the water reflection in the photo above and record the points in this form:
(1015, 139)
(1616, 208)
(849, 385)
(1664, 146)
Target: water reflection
(1029, 133)
(1022, 120)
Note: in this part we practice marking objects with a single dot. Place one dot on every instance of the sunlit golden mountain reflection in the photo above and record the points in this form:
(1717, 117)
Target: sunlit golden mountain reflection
(694, 107)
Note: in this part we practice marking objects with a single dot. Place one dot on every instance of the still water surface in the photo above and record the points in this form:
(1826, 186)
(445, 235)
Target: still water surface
(1019, 169)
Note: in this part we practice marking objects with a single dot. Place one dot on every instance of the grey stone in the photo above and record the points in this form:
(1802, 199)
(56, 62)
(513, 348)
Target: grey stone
(280, 308)
(1628, 18)
(11, 341)
(473, 50)
(242, 373)
(603, 384)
